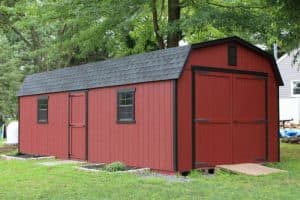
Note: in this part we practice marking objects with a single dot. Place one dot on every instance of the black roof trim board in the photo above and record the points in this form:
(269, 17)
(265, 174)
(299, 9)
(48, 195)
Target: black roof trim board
(158, 65)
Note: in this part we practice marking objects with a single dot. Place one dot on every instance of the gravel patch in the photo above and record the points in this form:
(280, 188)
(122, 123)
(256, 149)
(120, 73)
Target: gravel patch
(60, 162)
(99, 168)
(25, 157)
(167, 177)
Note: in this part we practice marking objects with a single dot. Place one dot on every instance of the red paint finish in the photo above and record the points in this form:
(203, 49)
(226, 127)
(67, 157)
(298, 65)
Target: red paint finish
(77, 130)
(213, 112)
(146, 143)
(231, 118)
(44, 139)
(216, 57)
(249, 119)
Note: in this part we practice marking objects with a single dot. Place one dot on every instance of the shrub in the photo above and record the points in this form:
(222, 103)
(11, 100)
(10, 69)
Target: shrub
(115, 166)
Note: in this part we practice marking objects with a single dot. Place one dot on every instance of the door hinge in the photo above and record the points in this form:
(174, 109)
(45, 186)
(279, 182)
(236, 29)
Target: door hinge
(201, 120)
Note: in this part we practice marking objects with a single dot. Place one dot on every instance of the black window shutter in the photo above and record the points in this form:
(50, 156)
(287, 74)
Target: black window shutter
(232, 55)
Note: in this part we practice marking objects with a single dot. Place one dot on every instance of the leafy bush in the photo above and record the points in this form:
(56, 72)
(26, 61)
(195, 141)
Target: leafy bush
(115, 166)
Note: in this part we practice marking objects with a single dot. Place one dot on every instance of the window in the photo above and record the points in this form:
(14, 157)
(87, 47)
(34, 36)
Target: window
(232, 55)
(295, 88)
(42, 107)
(125, 109)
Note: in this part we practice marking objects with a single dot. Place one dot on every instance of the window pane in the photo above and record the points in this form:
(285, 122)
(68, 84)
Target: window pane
(43, 106)
(126, 98)
(43, 109)
(126, 105)
(43, 115)
(128, 101)
(296, 87)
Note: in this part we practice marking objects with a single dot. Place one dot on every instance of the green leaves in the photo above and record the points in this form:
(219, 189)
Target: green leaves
(43, 35)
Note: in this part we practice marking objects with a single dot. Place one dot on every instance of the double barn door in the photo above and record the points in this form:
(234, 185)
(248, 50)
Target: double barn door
(230, 120)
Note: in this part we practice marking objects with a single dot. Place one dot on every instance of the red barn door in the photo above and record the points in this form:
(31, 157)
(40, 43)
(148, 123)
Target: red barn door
(229, 118)
(77, 125)
(213, 102)
(249, 119)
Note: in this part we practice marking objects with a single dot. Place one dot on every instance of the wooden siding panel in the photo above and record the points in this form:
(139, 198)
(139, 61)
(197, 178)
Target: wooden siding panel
(273, 121)
(44, 139)
(216, 56)
(146, 143)
(184, 118)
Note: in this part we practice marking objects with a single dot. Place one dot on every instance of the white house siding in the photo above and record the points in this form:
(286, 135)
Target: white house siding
(289, 106)
(289, 109)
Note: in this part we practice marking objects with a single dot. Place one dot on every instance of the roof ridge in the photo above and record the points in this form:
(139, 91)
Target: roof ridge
(111, 59)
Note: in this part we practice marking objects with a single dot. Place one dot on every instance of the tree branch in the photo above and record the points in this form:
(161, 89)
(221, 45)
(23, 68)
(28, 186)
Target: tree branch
(234, 6)
(162, 7)
(156, 26)
(20, 35)
(229, 6)
(35, 38)
(7, 23)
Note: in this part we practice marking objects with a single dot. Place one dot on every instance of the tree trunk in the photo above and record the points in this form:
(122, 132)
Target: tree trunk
(158, 36)
(173, 16)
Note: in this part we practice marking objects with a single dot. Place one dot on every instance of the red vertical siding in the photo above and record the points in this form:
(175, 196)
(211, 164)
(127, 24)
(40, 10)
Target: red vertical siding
(44, 139)
(146, 143)
(216, 56)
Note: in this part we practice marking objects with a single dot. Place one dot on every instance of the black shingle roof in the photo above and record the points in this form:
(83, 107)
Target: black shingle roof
(159, 65)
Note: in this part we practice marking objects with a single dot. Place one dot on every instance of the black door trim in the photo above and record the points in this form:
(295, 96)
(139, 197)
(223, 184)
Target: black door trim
(193, 123)
(232, 71)
(196, 68)
(19, 125)
(175, 134)
(267, 118)
(278, 119)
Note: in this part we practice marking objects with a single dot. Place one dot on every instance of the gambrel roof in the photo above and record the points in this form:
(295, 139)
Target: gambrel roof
(158, 65)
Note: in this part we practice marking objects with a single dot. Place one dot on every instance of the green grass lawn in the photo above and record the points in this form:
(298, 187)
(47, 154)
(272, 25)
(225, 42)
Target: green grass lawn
(27, 180)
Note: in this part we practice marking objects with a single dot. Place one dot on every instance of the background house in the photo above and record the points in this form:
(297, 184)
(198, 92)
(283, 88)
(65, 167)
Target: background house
(289, 94)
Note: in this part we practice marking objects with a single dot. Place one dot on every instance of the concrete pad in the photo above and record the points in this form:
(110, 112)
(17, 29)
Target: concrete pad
(60, 162)
(250, 169)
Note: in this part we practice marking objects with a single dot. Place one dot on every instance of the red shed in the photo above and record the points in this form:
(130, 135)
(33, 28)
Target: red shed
(171, 110)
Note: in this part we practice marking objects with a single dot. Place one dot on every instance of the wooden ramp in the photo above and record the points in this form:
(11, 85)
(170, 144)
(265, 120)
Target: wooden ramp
(251, 169)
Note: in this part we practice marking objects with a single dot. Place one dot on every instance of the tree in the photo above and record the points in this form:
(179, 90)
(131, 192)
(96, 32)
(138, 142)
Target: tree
(10, 77)
(287, 29)
(43, 35)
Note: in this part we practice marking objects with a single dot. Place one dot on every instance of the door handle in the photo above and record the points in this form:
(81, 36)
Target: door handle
(77, 125)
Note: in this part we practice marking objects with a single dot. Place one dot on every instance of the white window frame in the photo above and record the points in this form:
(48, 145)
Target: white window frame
(292, 88)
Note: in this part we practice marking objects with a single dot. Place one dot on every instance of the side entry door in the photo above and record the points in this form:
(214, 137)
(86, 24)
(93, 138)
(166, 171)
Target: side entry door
(77, 125)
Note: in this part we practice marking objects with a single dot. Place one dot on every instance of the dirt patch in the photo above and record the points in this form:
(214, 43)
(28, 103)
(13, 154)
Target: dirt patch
(8, 148)
(166, 177)
(60, 162)
(101, 167)
(293, 140)
(20, 156)
(25, 156)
